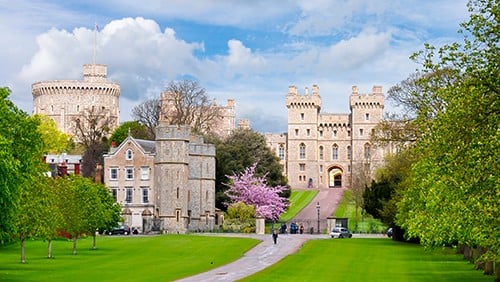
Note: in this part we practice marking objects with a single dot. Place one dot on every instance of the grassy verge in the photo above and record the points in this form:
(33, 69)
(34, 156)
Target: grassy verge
(119, 258)
(298, 200)
(358, 223)
(369, 260)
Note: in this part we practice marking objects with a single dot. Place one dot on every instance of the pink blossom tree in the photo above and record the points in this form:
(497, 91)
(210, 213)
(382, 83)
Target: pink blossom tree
(252, 190)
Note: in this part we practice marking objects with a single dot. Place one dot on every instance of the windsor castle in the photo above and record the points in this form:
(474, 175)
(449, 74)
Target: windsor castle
(169, 183)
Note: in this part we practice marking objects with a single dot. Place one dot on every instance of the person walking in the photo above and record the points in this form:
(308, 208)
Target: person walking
(275, 236)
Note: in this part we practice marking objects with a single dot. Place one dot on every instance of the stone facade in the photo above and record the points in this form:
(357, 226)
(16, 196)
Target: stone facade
(164, 185)
(66, 100)
(324, 150)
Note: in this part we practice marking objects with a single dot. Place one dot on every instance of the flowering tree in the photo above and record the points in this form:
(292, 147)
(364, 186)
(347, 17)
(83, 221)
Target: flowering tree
(253, 190)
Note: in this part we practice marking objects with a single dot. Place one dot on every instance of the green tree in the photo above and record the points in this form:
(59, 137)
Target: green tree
(87, 207)
(54, 140)
(454, 185)
(240, 150)
(134, 128)
(36, 217)
(20, 160)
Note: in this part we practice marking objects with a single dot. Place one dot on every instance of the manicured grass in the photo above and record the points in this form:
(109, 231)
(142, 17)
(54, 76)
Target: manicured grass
(122, 258)
(369, 260)
(298, 200)
(357, 223)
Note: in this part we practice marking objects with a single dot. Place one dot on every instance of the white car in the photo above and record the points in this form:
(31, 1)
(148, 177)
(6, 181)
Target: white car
(340, 232)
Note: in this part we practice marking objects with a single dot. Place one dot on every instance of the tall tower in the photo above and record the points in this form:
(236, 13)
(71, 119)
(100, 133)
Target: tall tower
(366, 112)
(67, 100)
(303, 114)
(171, 176)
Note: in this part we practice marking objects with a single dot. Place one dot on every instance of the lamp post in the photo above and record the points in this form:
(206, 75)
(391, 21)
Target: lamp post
(318, 207)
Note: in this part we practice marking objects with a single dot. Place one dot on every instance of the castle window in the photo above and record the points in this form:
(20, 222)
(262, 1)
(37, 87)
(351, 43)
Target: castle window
(77, 108)
(113, 173)
(335, 152)
(367, 151)
(114, 193)
(189, 216)
(302, 167)
(320, 152)
(349, 152)
(129, 173)
(320, 168)
(348, 133)
(367, 116)
(128, 195)
(302, 151)
(335, 133)
(177, 215)
(296, 132)
(145, 195)
(129, 155)
(144, 173)
(361, 132)
(177, 192)
(281, 152)
(321, 134)
(308, 132)
(302, 116)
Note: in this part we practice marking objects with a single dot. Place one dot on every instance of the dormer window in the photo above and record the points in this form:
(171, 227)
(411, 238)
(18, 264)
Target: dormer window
(129, 155)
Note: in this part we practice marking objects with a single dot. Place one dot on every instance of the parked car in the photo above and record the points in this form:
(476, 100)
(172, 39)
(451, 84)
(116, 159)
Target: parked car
(340, 232)
(120, 230)
(390, 232)
(294, 228)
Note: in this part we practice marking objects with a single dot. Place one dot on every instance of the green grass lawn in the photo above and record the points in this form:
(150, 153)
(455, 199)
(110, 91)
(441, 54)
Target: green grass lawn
(369, 260)
(358, 223)
(122, 258)
(298, 200)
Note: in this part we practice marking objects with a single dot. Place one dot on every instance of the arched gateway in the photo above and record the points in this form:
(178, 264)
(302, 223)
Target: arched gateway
(335, 177)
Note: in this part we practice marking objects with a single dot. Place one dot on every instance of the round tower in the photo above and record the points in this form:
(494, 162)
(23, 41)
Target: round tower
(66, 100)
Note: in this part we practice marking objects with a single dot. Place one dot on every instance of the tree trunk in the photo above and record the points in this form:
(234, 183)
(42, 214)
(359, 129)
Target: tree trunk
(74, 244)
(23, 258)
(49, 249)
(93, 243)
(497, 272)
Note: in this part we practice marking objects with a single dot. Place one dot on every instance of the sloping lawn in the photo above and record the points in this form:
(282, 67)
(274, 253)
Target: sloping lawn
(369, 260)
(357, 223)
(122, 258)
(298, 200)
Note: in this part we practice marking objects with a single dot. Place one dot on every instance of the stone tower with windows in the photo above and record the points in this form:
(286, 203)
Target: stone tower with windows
(324, 150)
(184, 180)
(66, 100)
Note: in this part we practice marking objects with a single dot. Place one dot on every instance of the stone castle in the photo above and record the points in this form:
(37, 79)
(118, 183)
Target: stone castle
(323, 150)
(165, 185)
(65, 101)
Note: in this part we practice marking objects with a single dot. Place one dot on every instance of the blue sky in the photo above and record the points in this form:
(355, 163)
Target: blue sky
(250, 51)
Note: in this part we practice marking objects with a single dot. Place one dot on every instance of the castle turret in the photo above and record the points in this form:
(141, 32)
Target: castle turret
(67, 100)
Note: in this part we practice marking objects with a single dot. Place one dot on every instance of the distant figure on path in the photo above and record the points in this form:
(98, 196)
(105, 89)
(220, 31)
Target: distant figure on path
(275, 236)
(301, 229)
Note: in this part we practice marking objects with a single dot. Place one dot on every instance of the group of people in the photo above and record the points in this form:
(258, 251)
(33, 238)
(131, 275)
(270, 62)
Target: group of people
(283, 230)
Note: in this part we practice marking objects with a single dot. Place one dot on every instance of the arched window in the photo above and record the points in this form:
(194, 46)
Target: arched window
(349, 152)
(302, 151)
(129, 154)
(335, 152)
(320, 152)
(281, 152)
(367, 151)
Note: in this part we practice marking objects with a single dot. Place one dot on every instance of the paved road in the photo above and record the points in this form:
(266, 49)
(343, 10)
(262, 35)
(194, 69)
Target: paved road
(266, 253)
(261, 256)
(328, 200)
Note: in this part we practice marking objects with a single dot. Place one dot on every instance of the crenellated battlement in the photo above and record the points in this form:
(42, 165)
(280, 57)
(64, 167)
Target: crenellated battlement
(373, 100)
(295, 100)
